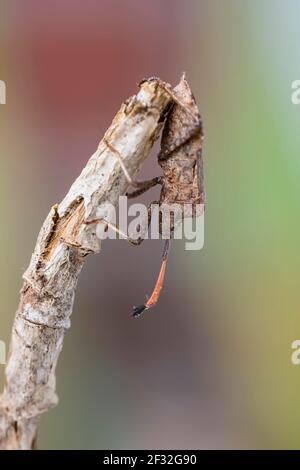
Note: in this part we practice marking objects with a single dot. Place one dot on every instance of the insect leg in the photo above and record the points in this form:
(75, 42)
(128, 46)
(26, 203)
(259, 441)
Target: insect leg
(152, 301)
(141, 186)
(116, 229)
(122, 165)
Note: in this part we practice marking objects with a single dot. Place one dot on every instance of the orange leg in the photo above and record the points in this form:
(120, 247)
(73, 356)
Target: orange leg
(152, 301)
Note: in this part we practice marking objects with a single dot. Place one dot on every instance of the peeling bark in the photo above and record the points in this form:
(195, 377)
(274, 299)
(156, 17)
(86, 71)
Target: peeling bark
(64, 241)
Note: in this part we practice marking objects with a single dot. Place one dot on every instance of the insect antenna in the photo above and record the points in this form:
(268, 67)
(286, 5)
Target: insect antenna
(152, 301)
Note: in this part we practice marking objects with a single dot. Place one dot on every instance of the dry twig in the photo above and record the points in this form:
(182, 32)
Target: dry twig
(64, 241)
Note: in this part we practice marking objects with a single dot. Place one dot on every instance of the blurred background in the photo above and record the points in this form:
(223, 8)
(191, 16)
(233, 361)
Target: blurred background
(210, 367)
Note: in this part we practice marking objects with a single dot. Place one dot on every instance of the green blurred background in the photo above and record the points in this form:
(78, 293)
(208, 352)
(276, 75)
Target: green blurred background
(210, 367)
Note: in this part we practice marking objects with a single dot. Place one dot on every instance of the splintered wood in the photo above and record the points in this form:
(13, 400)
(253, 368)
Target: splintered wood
(64, 241)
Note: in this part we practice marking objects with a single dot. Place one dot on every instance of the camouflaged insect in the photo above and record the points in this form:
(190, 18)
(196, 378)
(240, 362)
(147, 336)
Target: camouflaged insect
(181, 150)
(181, 161)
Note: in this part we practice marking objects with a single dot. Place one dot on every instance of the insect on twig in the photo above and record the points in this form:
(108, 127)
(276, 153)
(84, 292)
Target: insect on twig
(180, 158)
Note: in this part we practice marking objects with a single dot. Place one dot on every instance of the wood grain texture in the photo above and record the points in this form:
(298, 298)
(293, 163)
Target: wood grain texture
(64, 241)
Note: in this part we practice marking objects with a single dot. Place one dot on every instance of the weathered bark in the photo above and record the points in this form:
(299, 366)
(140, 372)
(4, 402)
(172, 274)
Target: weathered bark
(64, 241)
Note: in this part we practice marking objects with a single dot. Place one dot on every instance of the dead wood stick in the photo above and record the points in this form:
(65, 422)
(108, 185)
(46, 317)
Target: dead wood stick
(63, 243)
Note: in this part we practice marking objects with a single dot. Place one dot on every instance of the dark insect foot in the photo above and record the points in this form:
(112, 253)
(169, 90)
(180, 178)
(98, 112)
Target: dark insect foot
(136, 242)
(137, 311)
